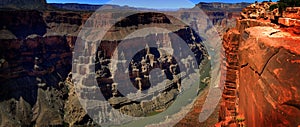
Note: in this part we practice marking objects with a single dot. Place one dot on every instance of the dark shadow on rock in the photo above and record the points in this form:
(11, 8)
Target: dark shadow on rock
(23, 23)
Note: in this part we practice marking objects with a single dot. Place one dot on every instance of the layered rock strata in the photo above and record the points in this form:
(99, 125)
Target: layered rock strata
(261, 86)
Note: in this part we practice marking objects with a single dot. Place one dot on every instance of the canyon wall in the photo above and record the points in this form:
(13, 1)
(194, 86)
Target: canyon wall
(36, 57)
(32, 75)
(262, 80)
(268, 80)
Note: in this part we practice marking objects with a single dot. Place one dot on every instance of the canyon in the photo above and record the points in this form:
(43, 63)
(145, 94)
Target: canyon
(36, 61)
(261, 61)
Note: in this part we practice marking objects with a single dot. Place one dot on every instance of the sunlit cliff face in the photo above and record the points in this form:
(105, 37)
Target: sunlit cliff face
(262, 86)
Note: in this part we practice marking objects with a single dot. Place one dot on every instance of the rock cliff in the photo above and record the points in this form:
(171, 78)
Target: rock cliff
(32, 74)
(36, 57)
(268, 81)
(262, 86)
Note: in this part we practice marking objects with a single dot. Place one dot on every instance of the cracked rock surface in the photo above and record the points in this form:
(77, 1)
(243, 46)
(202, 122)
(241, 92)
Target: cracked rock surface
(266, 79)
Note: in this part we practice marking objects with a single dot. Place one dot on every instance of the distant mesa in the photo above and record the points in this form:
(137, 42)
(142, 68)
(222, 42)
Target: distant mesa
(86, 7)
(76, 6)
(231, 7)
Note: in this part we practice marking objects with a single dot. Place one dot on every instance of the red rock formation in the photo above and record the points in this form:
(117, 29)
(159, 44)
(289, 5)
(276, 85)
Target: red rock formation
(292, 12)
(266, 65)
(230, 68)
(268, 84)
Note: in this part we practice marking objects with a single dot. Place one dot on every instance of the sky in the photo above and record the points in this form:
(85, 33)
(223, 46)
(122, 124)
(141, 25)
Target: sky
(149, 3)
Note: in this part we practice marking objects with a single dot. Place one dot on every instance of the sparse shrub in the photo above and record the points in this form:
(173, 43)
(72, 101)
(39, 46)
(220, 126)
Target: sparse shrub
(282, 4)
(240, 119)
(273, 6)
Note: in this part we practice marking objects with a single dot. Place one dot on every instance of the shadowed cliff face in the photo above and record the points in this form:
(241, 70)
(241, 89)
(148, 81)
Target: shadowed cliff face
(32, 73)
(23, 23)
(31, 22)
(23, 4)
(36, 55)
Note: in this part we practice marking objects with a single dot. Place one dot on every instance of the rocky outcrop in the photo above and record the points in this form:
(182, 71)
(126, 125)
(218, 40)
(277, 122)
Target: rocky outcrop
(268, 84)
(228, 109)
(243, 24)
(291, 19)
(292, 12)
(259, 11)
(261, 86)
(74, 114)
